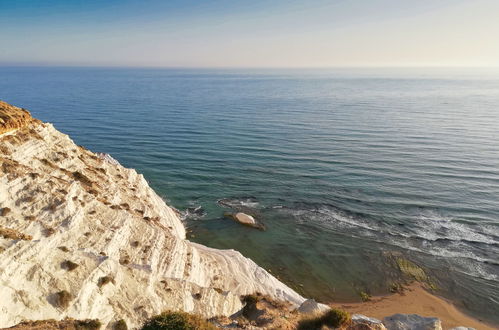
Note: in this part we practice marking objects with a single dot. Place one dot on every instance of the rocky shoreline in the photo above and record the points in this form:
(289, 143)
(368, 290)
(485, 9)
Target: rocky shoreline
(82, 237)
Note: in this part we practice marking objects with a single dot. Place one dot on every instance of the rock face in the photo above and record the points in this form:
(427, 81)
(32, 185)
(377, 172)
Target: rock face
(411, 322)
(98, 236)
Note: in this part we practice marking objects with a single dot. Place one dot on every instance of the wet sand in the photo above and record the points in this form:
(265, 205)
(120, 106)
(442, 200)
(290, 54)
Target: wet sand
(415, 300)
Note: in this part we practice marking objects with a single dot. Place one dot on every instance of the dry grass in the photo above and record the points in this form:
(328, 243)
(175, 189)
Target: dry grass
(84, 180)
(333, 318)
(125, 260)
(105, 280)
(5, 211)
(62, 299)
(66, 324)
(120, 325)
(69, 265)
(14, 234)
(4, 150)
(48, 231)
(170, 320)
(13, 169)
(48, 163)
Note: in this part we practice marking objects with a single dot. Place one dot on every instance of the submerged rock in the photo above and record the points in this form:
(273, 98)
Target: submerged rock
(411, 322)
(245, 219)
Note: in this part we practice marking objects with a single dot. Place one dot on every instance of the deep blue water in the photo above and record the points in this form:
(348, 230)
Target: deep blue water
(343, 167)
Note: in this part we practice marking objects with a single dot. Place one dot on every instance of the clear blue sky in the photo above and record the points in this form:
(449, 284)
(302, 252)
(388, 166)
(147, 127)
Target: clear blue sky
(257, 33)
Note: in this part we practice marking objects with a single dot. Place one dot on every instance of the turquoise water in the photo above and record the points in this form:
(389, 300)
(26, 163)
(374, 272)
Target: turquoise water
(343, 166)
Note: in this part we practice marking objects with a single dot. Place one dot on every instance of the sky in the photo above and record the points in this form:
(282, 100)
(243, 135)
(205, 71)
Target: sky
(250, 33)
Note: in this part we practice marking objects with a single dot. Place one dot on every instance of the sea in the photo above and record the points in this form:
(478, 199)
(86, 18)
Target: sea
(349, 168)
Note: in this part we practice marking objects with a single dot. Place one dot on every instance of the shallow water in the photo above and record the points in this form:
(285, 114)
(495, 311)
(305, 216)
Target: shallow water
(343, 166)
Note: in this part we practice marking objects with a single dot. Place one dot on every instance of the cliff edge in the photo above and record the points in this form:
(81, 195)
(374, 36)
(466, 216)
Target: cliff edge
(83, 237)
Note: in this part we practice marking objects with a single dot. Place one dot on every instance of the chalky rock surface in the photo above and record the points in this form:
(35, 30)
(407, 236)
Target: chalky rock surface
(77, 222)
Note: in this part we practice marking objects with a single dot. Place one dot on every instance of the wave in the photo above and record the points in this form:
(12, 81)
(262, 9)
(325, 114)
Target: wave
(470, 248)
(239, 202)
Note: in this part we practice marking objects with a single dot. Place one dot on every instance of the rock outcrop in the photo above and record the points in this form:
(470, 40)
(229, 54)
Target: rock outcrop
(87, 238)
(361, 322)
(411, 322)
(246, 220)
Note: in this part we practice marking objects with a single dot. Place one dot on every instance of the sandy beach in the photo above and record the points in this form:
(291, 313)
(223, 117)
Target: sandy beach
(415, 300)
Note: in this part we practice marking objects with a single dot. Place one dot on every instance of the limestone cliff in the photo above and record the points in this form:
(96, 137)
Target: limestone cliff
(83, 237)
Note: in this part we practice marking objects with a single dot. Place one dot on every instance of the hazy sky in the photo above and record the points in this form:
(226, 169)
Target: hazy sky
(250, 33)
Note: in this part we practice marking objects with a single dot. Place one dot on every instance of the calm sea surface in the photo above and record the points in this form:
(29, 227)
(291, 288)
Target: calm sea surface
(345, 167)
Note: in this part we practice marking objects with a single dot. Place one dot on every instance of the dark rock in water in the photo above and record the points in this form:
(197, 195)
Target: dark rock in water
(245, 219)
(196, 210)
(193, 213)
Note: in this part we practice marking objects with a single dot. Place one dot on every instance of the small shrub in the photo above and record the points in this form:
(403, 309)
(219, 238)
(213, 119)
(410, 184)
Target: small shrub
(14, 234)
(333, 318)
(49, 231)
(88, 325)
(125, 260)
(63, 248)
(105, 280)
(197, 296)
(364, 296)
(69, 265)
(250, 302)
(5, 211)
(120, 325)
(84, 180)
(177, 321)
(135, 244)
(63, 298)
(396, 288)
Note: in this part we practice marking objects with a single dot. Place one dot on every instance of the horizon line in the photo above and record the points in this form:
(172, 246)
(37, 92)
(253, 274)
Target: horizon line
(417, 66)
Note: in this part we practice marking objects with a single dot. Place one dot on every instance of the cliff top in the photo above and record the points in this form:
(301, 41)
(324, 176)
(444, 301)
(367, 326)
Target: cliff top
(12, 117)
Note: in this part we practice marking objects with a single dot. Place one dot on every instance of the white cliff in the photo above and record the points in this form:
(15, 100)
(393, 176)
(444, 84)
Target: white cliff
(62, 204)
